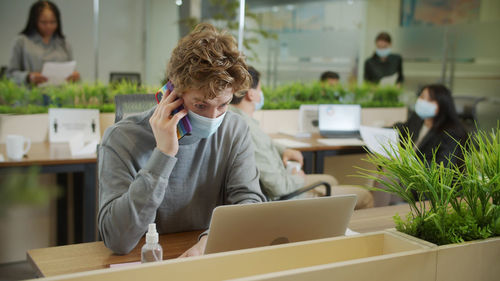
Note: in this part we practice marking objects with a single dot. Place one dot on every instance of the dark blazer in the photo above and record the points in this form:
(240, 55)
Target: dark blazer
(445, 141)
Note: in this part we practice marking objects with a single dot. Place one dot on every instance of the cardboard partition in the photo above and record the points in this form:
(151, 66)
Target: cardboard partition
(362, 257)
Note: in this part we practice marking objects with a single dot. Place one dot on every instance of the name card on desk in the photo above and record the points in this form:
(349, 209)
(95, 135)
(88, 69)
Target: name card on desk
(67, 123)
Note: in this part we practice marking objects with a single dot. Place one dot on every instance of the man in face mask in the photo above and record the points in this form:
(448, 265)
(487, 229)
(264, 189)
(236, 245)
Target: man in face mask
(383, 63)
(276, 178)
(147, 174)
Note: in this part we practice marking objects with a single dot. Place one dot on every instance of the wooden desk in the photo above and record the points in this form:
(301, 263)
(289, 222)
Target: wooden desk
(90, 256)
(314, 155)
(56, 158)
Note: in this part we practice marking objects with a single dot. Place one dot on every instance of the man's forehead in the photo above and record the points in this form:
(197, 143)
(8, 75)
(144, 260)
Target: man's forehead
(224, 96)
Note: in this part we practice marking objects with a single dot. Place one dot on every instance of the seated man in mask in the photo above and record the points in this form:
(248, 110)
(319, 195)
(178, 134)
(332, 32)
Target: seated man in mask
(147, 174)
(272, 159)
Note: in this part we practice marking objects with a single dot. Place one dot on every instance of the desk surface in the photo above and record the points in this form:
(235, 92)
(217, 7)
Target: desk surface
(90, 256)
(315, 145)
(45, 153)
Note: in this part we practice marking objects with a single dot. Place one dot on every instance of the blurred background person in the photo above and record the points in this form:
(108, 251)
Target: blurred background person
(329, 77)
(383, 63)
(42, 40)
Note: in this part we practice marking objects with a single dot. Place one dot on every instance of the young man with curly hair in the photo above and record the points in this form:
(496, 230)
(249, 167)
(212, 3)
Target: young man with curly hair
(147, 175)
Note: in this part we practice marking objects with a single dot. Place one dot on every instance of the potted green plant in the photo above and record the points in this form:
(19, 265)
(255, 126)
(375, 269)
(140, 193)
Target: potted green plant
(454, 206)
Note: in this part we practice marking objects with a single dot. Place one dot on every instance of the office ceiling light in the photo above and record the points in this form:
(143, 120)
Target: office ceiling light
(350, 2)
(178, 2)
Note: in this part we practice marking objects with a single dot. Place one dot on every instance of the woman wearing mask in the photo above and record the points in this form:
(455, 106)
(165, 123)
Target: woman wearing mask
(433, 126)
(383, 63)
(40, 41)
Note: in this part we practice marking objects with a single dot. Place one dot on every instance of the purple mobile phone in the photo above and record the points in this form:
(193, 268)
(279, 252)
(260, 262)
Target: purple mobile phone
(183, 127)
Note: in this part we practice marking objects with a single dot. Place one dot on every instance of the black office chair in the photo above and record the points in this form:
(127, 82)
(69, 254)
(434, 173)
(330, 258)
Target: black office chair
(127, 105)
(304, 190)
(3, 71)
(466, 107)
(132, 77)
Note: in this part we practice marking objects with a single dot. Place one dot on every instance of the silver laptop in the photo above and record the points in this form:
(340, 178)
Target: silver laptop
(339, 120)
(235, 227)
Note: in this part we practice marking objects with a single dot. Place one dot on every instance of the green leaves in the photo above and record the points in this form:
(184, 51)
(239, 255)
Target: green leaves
(16, 99)
(21, 188)
(291, 96)
(449, 204)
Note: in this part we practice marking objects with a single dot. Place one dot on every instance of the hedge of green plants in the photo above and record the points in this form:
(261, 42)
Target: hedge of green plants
(24, 100)
(291, 96)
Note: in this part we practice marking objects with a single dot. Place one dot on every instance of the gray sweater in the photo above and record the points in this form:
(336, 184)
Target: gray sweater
(138, 184)
(30, 53)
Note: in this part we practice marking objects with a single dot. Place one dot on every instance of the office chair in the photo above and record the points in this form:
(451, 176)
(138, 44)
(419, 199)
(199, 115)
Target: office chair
(127, 105)
(3, 71)
(133, 77)
(304, 190)
(466, 107)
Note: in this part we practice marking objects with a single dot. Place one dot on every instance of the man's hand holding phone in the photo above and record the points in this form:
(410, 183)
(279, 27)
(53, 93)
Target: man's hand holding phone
(164, 123)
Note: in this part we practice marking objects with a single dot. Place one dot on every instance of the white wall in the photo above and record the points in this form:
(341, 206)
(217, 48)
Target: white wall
(161, 38)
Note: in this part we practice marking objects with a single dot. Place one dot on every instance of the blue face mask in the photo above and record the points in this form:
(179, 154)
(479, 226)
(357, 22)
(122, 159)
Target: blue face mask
(383, 52)
(204, 127)
(425, 109)
(260, 104)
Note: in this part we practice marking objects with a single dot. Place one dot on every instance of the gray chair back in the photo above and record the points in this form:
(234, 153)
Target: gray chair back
(127, 105)
(466, 107)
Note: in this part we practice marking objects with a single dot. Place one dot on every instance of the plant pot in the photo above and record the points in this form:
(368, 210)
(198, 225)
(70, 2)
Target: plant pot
(23, 228)
(36, 126)
(33, 126)
(384, 255)
(472, 260)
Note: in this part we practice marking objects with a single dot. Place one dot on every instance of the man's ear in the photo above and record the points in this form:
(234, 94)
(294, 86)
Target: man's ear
(250, 96)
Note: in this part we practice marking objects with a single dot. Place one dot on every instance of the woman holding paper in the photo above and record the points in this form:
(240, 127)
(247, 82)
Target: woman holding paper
(40, 41)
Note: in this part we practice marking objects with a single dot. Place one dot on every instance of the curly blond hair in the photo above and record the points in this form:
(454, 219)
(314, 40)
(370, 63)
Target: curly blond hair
(208, 60)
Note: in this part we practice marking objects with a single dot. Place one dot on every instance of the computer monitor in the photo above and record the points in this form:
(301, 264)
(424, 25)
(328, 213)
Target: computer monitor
(339, 120)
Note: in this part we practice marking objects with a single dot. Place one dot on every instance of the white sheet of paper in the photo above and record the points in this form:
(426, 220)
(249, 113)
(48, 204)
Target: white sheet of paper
(350, 232)
(57, 72)
(377, 138)
(66, 123)
(79, 147)
(295, 134)
(389, 80)
(1, 158)
(291, 143)
(342, 142)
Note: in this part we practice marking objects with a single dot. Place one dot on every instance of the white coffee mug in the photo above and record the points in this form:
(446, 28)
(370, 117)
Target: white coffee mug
(292, 167)
(17, 146)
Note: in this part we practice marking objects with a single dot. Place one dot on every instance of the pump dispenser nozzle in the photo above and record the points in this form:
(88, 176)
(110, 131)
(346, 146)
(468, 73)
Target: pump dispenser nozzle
(152, 235)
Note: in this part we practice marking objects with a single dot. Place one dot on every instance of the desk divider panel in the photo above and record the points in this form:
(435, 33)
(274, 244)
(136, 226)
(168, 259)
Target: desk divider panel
(383, 254)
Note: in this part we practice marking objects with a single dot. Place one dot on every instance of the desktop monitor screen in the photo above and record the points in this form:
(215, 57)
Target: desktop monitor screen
(339, 117)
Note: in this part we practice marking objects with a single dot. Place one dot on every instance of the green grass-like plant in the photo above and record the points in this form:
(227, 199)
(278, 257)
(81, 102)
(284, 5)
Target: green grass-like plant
(448, 203)
(16, 99)
(291, 96)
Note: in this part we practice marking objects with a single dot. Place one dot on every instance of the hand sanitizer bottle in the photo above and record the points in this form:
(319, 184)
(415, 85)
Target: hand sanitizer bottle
(151, 251)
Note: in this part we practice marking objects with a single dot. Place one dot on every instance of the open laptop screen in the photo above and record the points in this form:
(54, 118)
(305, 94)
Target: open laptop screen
(235, 227)
(339, 117)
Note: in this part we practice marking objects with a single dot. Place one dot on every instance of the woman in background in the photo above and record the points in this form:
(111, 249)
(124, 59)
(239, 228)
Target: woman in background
(433, 126)
(40, 41)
